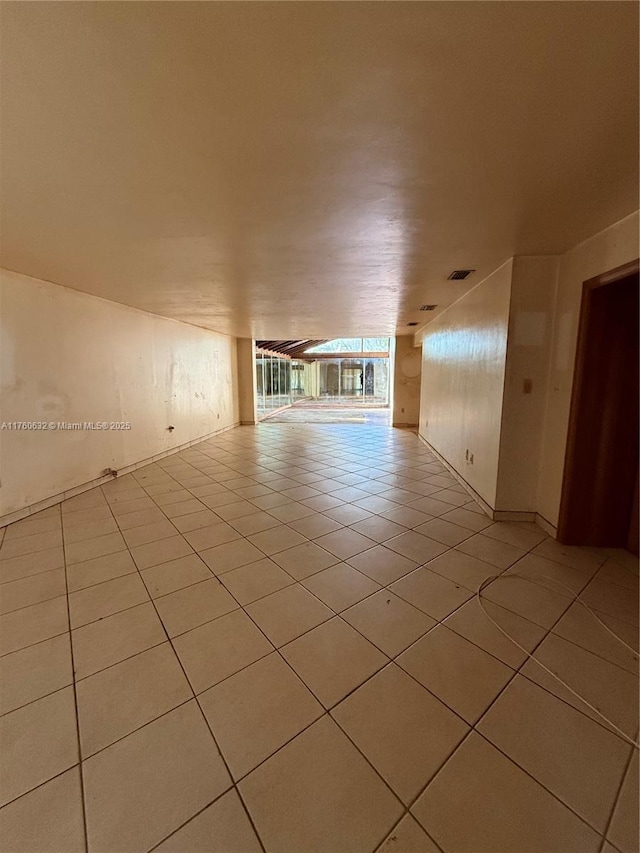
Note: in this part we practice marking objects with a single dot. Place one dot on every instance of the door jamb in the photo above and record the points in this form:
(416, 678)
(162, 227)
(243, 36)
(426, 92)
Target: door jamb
(591, 284)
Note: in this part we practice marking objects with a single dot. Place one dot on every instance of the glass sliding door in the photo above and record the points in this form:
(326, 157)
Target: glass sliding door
(343, 380)
(273, 383)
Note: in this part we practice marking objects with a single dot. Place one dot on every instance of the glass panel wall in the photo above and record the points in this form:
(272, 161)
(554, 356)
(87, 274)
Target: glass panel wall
(273, 383)
(341, 378)
(362, 380)
(298, 381)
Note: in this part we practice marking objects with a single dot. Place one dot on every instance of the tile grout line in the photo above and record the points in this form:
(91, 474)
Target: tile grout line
(618, 794)
(338, 614)
(75, 698)
(204, 718)
(474, 729)
(291, 669)
(490, 706)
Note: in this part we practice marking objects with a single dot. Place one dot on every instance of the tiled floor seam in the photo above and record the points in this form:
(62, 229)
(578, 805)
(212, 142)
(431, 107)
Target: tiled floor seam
(30, 645)
(577, 645)
(32, 701)
(617, 797)
(495, 699)
(473, 728)
(38, 786)
(75, 702)
(326, 713)
(544, 637)
(204, 717)
(34, 575)
(197, 814)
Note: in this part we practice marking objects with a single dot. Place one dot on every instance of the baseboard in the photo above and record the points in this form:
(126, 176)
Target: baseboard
(495, 514)
(515, 515)
(486, 508)
(404, 426)
(18, 515)
(548, 528)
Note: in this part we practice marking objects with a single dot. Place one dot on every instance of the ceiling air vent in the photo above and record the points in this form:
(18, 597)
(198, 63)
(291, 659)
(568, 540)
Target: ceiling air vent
(428, 307)
(412, 324)
(459, 275)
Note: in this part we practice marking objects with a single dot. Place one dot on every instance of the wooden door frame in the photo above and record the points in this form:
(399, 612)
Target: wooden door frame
(579, 379)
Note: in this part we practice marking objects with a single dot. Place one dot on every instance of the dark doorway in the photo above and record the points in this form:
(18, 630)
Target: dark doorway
(601, 465)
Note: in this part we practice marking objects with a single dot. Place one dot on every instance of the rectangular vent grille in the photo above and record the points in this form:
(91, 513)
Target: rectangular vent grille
(428, 307)
(459, 275)
(412, 324)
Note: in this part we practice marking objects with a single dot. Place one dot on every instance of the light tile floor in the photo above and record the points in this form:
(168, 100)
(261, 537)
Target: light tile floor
(271, 642)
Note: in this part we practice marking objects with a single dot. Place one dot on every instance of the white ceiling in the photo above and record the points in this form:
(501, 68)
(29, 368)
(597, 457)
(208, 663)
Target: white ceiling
(309, 170)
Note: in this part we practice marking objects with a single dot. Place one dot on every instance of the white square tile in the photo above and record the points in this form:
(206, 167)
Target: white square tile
(382, 565)
(116, 701)
(288, 613)
(415, 546)
(114, 638)
(225, 820)
(460, 674)
(340, 586)
(316, 789)
(255, 580)
(231, 555)
(573, 757)
(480, 801)
(38, 741)
(220, 648)
(345, 543)
(145, 786)
(333, 659)
(33, 624)
(176, 574)
(489, 550)
(34, 672)
(104, 599)
(256, 711)
(402, 729)
(277, 539)
(304, 560)
(194, 605)
(434, 595)
(47, 818)
(388, 622)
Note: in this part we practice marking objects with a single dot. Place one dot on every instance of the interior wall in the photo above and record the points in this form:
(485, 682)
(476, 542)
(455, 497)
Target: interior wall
(66, 356)
(613, 247)
(406, 382)
(247, 381)
(533, 287)
(463, 372)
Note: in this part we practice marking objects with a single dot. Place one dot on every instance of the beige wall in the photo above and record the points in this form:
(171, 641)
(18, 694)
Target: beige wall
(463, 371)
(533, 285)
(406, 382)
(67, 356)
(520, 323)
(247, 380)
(611, 248)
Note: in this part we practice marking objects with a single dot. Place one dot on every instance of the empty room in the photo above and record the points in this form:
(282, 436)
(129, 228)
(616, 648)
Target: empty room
(319, 426)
